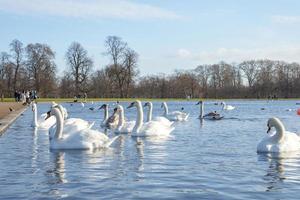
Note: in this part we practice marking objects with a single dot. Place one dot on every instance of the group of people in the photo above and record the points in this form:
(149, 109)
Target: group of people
(25, 96)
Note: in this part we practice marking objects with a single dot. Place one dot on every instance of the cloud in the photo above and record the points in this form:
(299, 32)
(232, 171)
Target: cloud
(284, 19)
(286, 53)
(123, 9)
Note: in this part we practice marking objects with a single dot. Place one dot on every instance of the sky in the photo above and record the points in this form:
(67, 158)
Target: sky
(167, 34)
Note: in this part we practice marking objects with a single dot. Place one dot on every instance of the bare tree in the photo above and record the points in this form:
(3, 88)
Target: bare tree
(41, 67)
(80, 64)
(17, 51)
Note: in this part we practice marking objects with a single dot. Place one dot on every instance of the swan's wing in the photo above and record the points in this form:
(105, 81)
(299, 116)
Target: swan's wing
(163, 120)
(154, 128)
(46, 124)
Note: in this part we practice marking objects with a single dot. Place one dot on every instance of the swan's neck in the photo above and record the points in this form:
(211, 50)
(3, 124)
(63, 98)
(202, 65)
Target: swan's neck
(121, 119)
(59, 124)
(105, 114)
(280, 130)
(166, 109)
(61, 111)
(35, 122)
(224, 105)
(139, 119)
(149, 116)
(201, 110)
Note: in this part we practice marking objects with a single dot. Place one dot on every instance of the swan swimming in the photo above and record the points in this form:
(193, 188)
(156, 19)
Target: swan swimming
(160, 119)
(227, 107)
(109, 122)
(175, 115)
(123, 126)
(211, 115)
(148, 129)
(280, 141)
(81, 139)
(41, 122)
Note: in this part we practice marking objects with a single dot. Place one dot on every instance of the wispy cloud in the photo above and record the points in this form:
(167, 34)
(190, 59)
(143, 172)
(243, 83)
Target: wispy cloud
(285, 19)
(121, 9)
(287, 53)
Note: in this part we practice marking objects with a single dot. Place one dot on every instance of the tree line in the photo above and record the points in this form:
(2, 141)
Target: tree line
(32, 67)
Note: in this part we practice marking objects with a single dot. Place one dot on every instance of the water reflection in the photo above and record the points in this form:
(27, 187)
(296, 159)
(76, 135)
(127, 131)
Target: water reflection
(281, 168)
(59, 167)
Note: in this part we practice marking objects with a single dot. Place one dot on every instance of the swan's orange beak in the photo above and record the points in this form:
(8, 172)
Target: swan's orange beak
(48, 115)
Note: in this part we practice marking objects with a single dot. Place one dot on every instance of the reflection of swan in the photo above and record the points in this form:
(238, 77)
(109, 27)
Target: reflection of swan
(227, 107)
(41, 122)
(175, 115)
(211, 115)
(109, 122)
(280, 141)
(73, 138)
(148, 129)
(123, 126)
(160, 119)
(59, 169)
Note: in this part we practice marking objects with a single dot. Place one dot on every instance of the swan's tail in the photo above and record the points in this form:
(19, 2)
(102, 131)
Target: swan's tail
(107, 144)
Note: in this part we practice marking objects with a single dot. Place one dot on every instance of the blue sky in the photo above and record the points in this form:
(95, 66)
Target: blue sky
(167, 34)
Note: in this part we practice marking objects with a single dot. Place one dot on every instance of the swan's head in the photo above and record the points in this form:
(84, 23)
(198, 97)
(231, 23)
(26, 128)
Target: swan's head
(48, 115)
(33, 106)
(135, 103)
(104, 106)
(119, 108)
(222, 103)
(147, 104)
(199, 102)
(273, 122)
(115, 110)
(163, 104)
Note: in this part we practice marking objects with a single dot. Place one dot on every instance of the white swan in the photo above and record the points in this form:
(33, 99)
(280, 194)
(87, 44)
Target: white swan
(280, 141)
(76, 139)
(109, 122)
(175, 115)
(123, 126)
(211, 115)
(41, 122)
(62, 109)
(227, 107)
(148, 129)
(160, 119)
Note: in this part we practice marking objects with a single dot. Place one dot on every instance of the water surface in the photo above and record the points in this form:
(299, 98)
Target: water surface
(208, 160)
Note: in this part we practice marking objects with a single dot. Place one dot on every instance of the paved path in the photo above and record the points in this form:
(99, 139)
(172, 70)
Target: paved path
(9, 112)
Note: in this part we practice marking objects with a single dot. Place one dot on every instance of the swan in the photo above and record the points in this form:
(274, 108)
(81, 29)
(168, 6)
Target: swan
(148, 129)
(123, 126)
(109, 122)
(175, 115)
(84, 139)
(160, 119)
(280, 141)
(62, 109)
(41, 122)
(227, 107)
(211, 115)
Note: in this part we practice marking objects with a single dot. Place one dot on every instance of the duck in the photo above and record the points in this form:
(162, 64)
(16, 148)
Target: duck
(65, 138)
(227, 107)
(147, 129)
(123, 126)
(160, 119)
(280, 141)
(175, 115)
(109, 122)
(211, 115)
(41, 122)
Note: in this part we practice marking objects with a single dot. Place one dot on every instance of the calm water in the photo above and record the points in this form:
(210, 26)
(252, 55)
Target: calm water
(212, 160)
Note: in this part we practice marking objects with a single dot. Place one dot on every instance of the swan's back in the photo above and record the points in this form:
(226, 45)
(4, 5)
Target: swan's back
(177, 116)
(83, 139)
(163, 120)
(289, 142)
(46, 124)
(153, 129)
(127, 127)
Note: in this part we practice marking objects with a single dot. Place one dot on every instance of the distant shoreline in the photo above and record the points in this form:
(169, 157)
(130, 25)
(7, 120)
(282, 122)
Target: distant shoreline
(71, 100)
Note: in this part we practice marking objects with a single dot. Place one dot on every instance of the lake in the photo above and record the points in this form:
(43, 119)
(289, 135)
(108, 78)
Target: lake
(208, 160)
